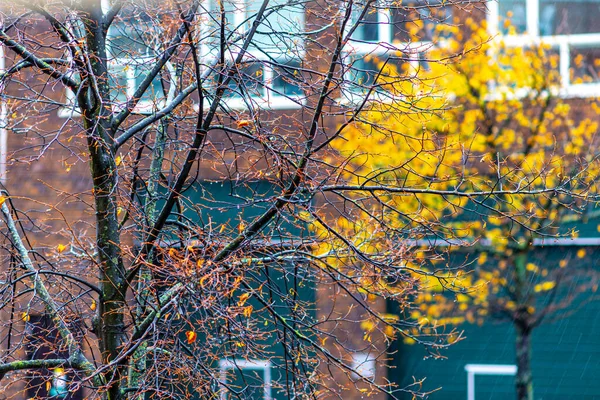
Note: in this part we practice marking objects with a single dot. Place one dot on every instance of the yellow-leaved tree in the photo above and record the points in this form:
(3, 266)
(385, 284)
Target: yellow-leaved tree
(491, 120)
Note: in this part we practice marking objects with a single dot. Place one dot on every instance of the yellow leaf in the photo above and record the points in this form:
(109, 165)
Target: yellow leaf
(409, 340)
(118, 160)
(190, 336)
(243, 299)
(93, 305)
(581, 253)
(482, 258)
(544, 287)
(60, 248)
(2, 200)
(531, 267)
(25, 316)
(562, 263)
(203, 280)
(462, 298)
(248, 311)
(548, 285)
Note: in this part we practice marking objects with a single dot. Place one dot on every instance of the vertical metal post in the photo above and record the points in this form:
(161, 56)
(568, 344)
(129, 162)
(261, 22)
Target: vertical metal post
(470, 385)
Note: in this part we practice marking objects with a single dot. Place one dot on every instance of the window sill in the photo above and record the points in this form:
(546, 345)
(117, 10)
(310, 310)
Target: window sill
(271, 103)
(142, 108)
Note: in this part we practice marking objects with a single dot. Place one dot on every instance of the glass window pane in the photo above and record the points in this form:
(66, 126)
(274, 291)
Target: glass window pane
(277, 35)
(248, 81)
(117, 79)
(287, 79)
(418, 22)
(569, 17)
(249, 383)
(134, 37)
(368, 28)
(512, 13)
(155, 91)
(585, 65)
(386, 69)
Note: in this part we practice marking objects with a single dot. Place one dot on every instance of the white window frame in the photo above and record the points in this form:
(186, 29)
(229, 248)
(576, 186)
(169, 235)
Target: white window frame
(485, 369)
(564, 43)
(226, 365)
(3, 122)
(385, 44)
(143, 106)
(364, 365)
(269, 99)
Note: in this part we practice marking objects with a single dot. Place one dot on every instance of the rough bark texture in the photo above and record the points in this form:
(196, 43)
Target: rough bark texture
(111, 328)
(523, 328)
(524, 380)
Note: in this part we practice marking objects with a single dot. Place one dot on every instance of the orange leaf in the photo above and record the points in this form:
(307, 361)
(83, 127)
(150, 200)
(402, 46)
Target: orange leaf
(191, 336)
(243, 122)
(2, 200)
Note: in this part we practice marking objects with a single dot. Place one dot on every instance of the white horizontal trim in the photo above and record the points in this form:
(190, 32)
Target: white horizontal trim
(538, 242)
(567, 242)
(382, 47)
(142, 107)
(584, 39)
(491, 369)
(229, 364)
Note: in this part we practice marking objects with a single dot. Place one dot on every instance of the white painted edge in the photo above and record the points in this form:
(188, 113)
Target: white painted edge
(226, 364)
(3, 123)
(485, 369)
(491, 369)
(541, 242)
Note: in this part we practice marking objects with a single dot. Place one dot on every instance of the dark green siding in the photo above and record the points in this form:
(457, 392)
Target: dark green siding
(566, 356)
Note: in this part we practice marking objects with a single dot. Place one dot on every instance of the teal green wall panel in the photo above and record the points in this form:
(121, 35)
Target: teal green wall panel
(565, 364)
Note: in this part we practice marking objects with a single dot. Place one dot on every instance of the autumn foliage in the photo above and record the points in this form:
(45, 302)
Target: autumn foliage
(492, 119)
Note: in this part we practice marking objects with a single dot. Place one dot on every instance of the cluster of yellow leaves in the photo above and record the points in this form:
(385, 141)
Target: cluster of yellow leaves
(485, 118)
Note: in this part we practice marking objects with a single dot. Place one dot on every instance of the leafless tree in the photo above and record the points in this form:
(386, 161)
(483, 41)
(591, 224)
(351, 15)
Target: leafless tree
(194, 257)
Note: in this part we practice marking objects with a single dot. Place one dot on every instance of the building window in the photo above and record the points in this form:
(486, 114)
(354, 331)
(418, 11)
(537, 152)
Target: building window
(364, 365)
(253, 377)
(571, 28)
(42, 341)
(133, 45)
(270, 74)
(388, 38)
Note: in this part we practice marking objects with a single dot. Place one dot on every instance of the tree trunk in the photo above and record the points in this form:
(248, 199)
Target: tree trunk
(524, 381)
(110, 326)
